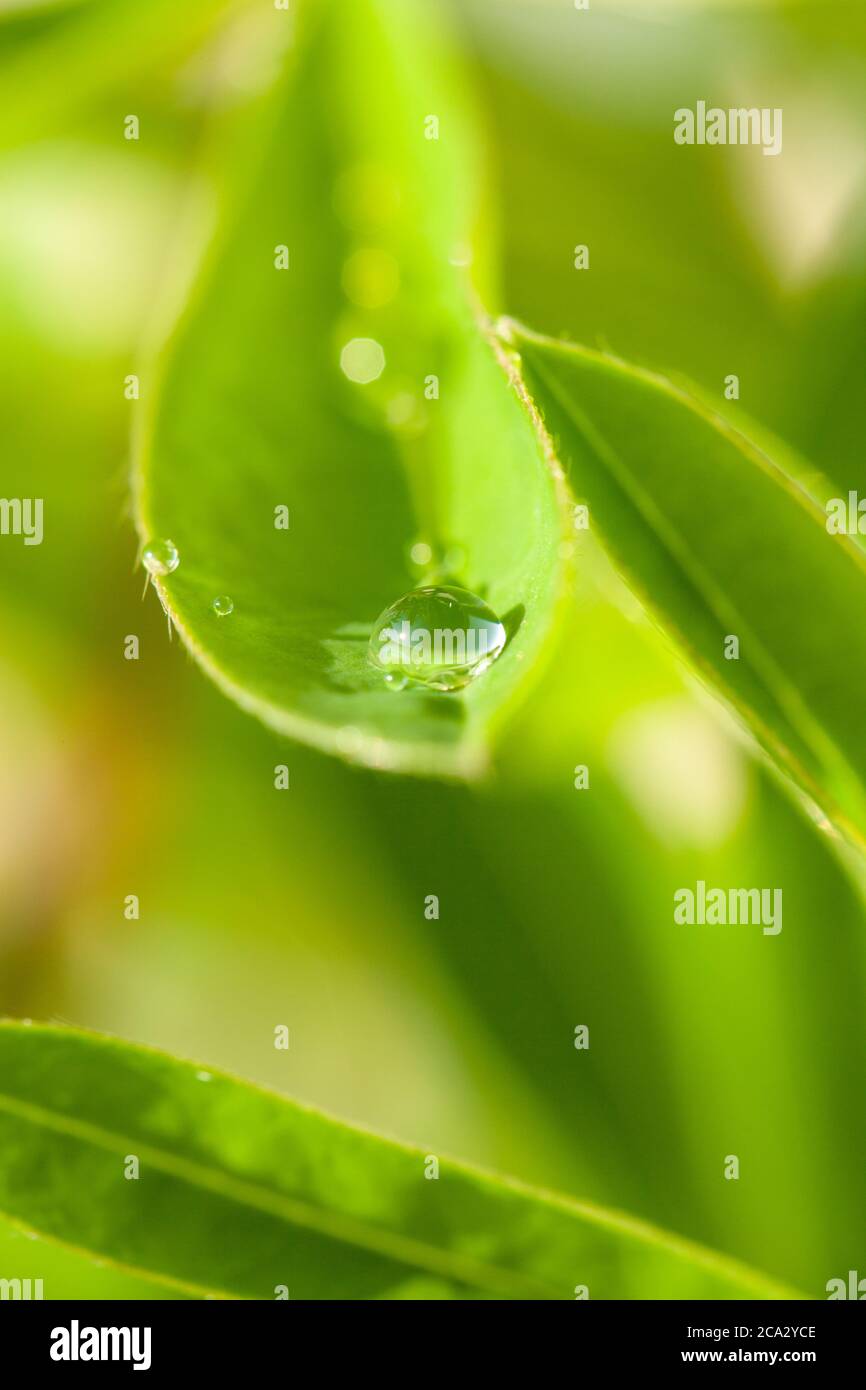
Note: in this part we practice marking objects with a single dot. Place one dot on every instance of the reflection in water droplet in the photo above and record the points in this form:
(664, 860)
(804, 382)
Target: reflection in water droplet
(160, 557)
(441, 636)
(363, 360)
(371, 278)
(223, 605)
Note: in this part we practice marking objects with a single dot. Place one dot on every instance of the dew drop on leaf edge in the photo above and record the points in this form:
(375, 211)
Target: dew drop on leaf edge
(160, 557)
(439, 636)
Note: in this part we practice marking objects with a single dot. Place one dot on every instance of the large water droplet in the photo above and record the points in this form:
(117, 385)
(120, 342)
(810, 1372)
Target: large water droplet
(441, 636)
(223, 605)
(160, 557)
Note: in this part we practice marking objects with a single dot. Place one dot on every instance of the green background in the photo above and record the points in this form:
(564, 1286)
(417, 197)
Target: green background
(306, 907)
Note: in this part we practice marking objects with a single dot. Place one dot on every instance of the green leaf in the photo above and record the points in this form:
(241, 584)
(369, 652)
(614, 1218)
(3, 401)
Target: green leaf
(252, 410)
(59, 60)
(720, 540)
(240, 1191)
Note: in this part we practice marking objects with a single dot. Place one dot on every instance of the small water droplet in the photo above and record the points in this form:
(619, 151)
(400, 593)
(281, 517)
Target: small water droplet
(441, 636)
(396, 682)
(203, 1076)
(223, 605)
(362, 360)
(160, 557)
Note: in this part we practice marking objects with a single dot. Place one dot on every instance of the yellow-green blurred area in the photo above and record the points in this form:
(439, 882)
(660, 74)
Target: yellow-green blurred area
(305, 907)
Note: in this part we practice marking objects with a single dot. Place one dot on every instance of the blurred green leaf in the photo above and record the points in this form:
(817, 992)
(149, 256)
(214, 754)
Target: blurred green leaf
(58, 60)
(240, 1191)
(253, 410)
(720, 541)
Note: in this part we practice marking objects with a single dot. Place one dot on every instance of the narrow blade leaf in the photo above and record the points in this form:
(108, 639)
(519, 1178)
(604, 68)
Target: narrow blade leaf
(722, 543)
(241, 1193)
(330, 363)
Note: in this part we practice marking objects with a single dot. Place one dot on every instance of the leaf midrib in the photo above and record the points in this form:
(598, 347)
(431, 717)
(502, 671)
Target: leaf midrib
(415, 1254)
(796, 711)
(338, 1226)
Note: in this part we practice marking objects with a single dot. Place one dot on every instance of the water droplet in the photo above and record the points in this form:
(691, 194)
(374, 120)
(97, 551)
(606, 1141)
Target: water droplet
(396, 682)
(203, 1076)
(371, 278)
(223, 605)
(363, 360)
(441, 636)
(160, 557)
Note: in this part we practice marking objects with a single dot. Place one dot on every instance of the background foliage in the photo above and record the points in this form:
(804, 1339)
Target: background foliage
(306, 908)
